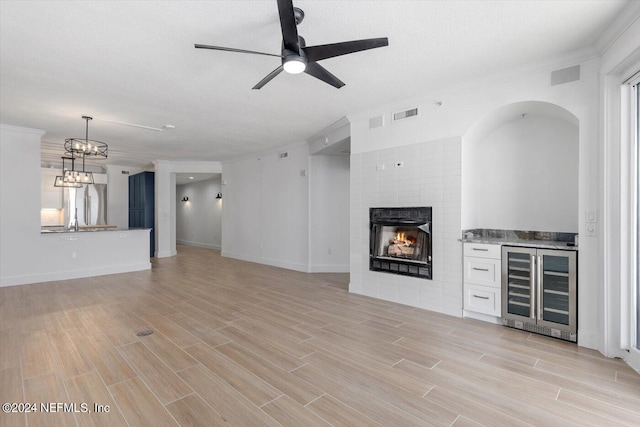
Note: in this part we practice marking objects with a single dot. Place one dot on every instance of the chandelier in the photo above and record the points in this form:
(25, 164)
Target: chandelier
(72, 178)
(76, 147)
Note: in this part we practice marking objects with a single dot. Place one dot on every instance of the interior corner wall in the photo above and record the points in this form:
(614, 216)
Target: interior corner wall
(523, 175)
(19, 228)
(199, 220)
(329, 213)
(266, 208)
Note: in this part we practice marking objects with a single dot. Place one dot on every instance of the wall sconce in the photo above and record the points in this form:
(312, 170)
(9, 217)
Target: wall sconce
(219, 196)
(185, 199)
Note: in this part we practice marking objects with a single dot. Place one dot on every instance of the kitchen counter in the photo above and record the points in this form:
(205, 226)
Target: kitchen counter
(86, 229)
(534, 239)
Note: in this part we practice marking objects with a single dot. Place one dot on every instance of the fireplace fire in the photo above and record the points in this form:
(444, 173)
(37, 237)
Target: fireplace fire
(401, 241)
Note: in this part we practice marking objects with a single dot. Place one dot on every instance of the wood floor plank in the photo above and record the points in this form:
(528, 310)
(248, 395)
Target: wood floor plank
(198, 329)
(104, 357)
(167, 351)
(290, 413)
(238, 343)
(180, 336)
(251, 386)
(139, 405)
(287, 383)
(11, 391)
(36, 356)
(227, 401)
(10, 348)
(157, 375)
(47, 388)
(193, 411)
(339, 414)
(89, 388)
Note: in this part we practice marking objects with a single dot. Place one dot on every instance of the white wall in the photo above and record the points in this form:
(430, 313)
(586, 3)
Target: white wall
(266, 208)
(199, 220)
(455, 113)
(118, 194)
(19, 200)
(329, 213)
(523, 176)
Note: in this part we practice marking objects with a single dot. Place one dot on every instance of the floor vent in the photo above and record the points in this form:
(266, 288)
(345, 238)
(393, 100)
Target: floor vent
(406, 114)
(565, 75)
(144, 333)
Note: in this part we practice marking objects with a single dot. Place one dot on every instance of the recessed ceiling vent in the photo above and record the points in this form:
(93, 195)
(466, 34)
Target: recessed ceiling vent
(376, 122)
(406, 114)
(565, 75)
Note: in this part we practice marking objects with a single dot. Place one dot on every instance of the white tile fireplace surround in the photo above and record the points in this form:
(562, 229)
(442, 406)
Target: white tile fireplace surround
(424, 174)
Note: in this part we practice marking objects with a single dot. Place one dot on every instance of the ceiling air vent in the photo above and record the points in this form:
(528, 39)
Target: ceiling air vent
(406, 114)
(565, 75)
(376, 122)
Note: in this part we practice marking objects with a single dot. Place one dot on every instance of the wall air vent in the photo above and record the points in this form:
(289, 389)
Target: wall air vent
(406, 114)
(376, 122)
(283, 155)
(124, 172)
(565, 75)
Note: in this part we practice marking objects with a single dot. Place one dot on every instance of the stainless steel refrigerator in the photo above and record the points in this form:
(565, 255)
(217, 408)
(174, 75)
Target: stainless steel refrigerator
(90, 204)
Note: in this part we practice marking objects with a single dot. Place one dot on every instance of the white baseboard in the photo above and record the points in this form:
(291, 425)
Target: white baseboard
(198, 244)
(481, 316)
(267, 261)
(72, 274)
(329, 268)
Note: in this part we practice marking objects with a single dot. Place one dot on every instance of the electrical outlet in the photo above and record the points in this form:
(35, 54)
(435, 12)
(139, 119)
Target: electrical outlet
(329, 251)
(380, 167)
(74, 255)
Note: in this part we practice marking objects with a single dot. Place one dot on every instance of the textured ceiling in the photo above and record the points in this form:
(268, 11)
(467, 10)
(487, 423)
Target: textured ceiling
(134, 62)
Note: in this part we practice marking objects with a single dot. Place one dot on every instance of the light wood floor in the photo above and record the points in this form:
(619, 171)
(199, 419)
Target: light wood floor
(243, 344)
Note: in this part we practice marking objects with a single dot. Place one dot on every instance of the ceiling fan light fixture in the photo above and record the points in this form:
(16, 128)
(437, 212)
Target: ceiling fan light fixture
(294, 64)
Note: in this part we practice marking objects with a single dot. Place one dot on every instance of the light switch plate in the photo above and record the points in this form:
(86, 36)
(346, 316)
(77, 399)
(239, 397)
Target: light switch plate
(591, 216)
(590, 229)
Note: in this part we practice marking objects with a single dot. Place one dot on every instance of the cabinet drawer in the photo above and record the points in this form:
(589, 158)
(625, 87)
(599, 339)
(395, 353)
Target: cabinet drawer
(482, 271)
(482, 250)
(482, 299)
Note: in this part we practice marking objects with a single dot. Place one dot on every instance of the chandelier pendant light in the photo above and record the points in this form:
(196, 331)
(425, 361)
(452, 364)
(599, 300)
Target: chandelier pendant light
(72, 178)
(76, 147)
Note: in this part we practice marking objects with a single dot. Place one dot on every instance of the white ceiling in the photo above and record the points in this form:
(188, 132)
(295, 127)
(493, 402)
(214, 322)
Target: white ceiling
(134, 62)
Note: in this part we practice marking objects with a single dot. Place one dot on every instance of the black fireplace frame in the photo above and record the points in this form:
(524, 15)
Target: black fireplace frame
(419, 217)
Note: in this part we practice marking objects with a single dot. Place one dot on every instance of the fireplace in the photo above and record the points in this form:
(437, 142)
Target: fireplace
(400, 241)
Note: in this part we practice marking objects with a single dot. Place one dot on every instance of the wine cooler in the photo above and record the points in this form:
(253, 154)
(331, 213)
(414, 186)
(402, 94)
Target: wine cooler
(539, 291)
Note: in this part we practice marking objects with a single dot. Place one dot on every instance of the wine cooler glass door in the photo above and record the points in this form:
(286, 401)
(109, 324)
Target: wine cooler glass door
(518, 270)
(557, 289)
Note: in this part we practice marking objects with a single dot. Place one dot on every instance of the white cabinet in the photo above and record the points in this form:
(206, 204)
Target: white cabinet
(50, 196)
(482, 283)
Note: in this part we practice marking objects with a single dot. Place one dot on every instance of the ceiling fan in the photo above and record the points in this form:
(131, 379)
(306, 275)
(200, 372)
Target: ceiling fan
(296, 56)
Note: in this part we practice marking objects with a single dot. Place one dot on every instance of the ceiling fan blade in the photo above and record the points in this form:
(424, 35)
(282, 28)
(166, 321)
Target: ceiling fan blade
(231, 49)
(269, 77)
(317, 53)
(319, 72)
(288, 25)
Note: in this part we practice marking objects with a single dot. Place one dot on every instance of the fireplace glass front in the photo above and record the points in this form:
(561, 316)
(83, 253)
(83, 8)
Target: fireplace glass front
(400, 241)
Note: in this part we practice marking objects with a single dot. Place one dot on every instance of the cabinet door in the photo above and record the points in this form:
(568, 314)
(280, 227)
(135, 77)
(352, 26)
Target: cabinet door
(557, 289)
(518, 283)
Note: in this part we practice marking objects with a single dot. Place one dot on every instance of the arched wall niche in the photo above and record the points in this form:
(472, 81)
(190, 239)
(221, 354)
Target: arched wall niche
(520, 169)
